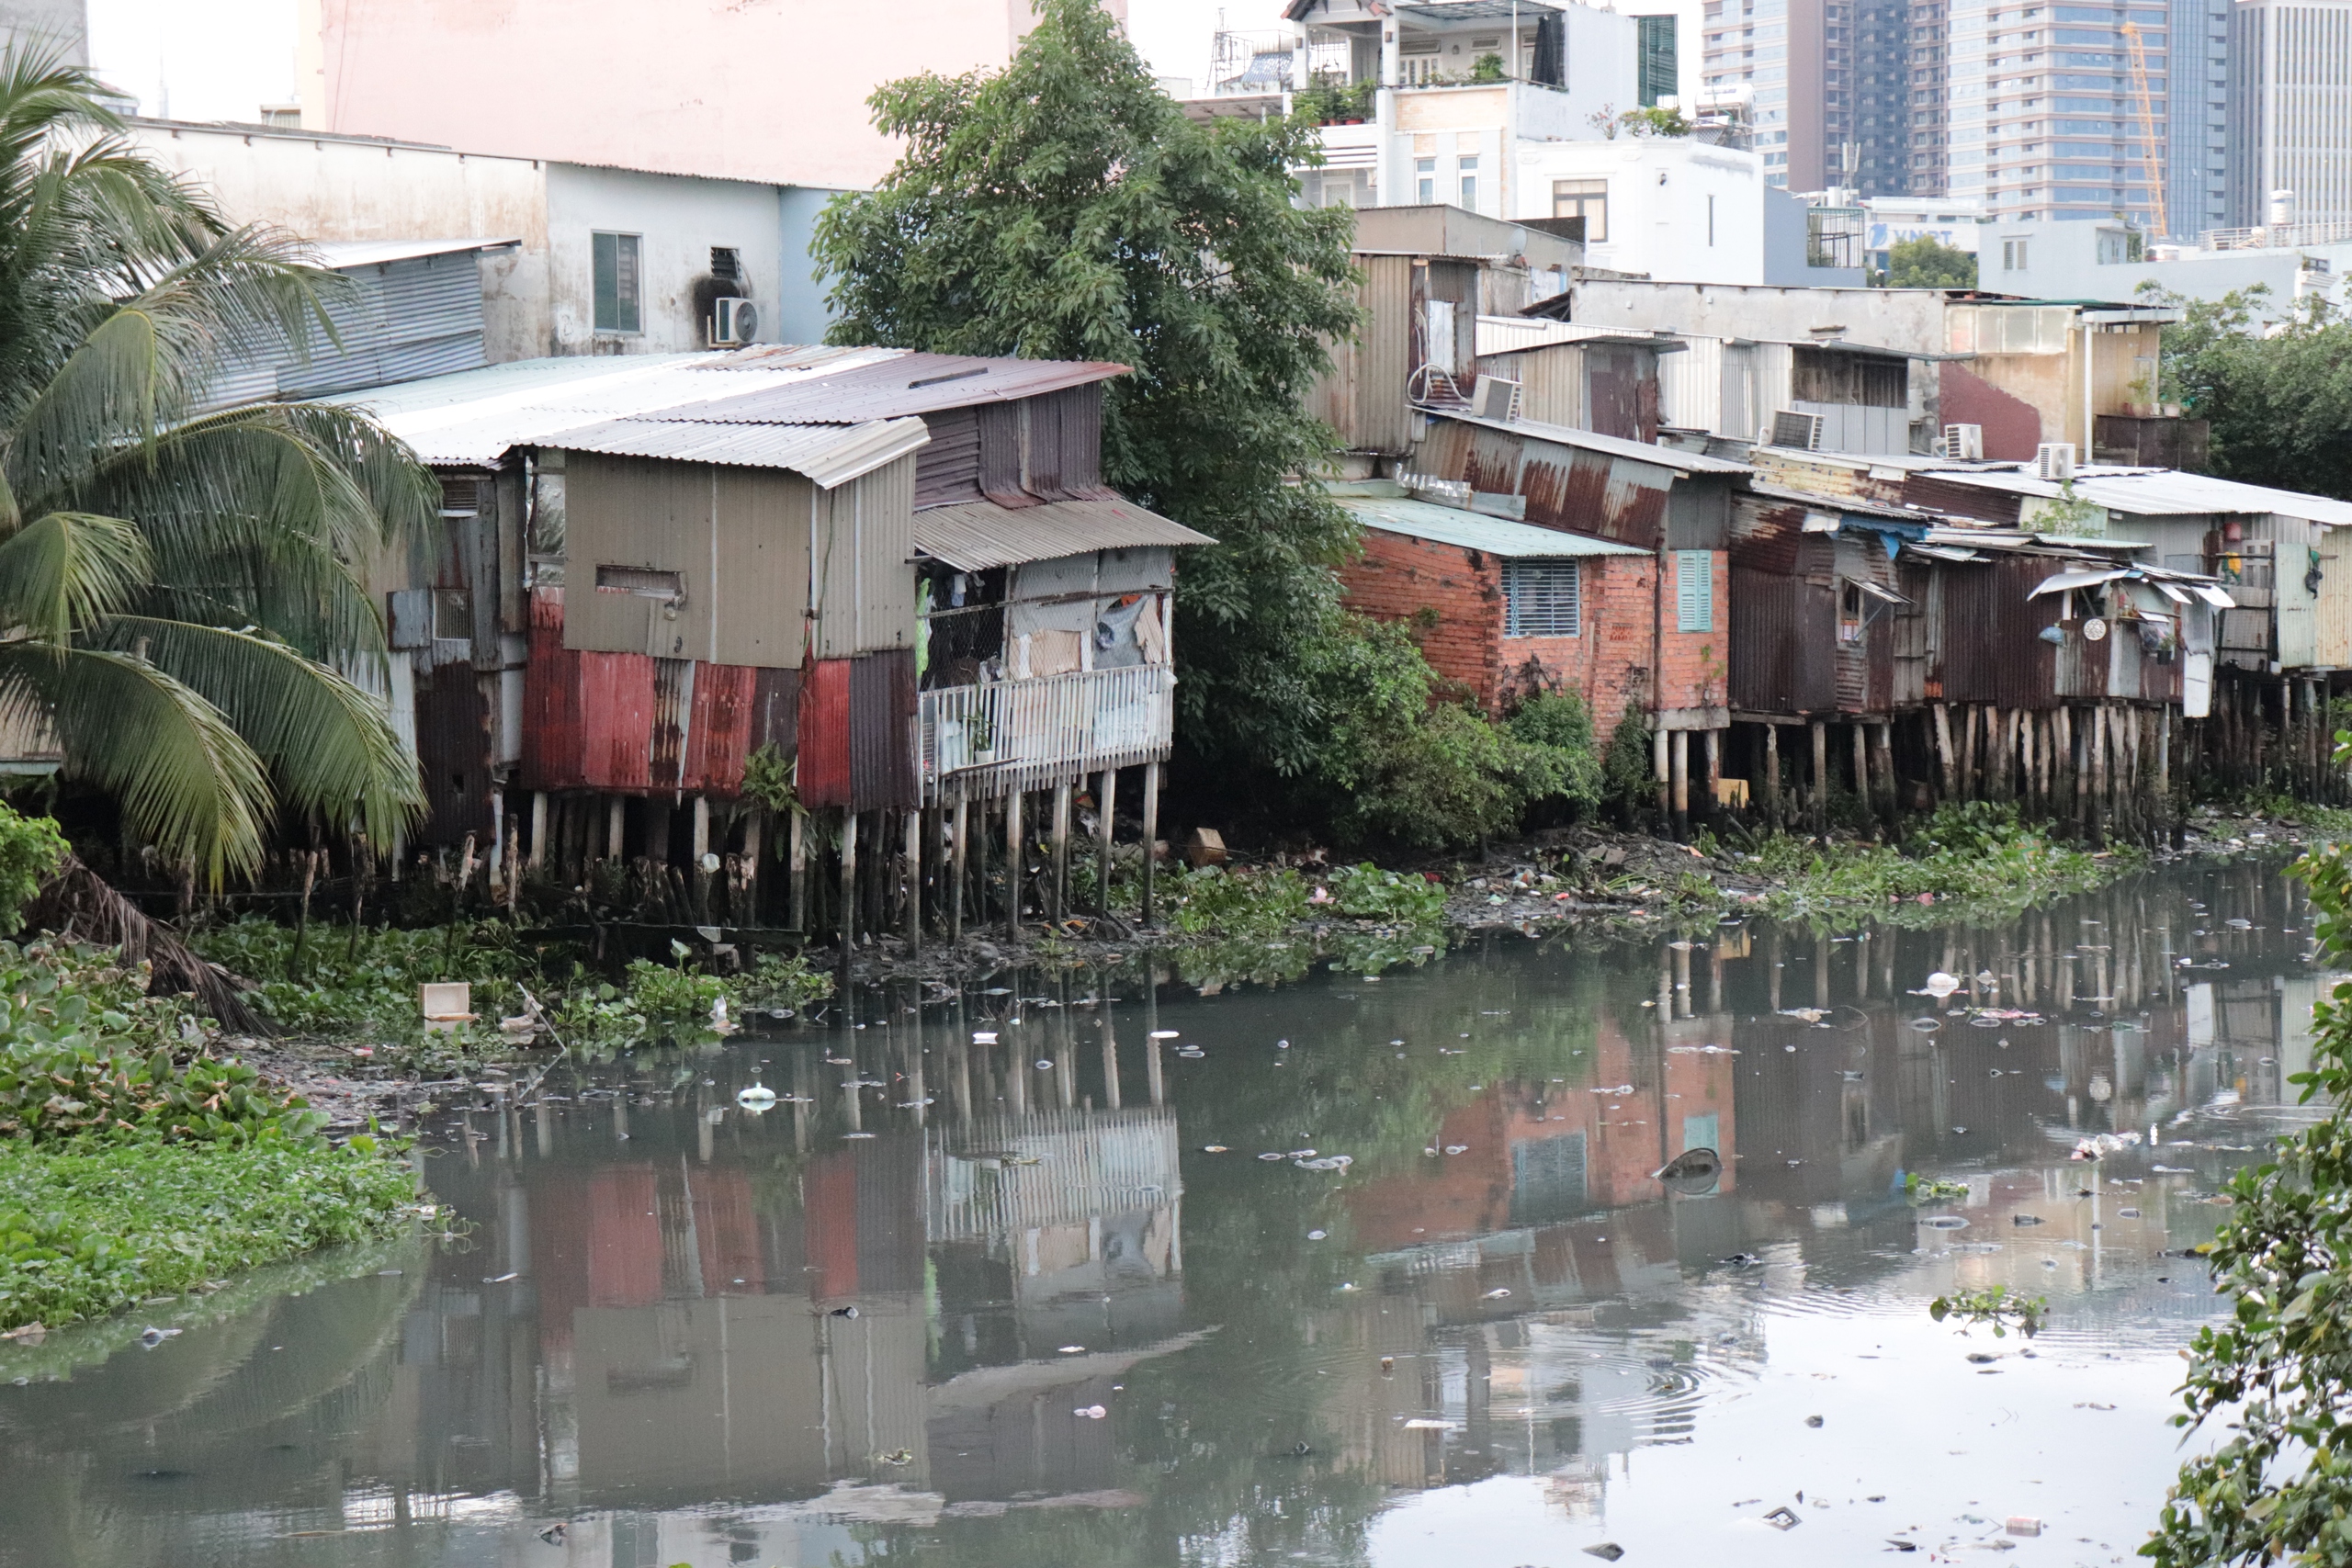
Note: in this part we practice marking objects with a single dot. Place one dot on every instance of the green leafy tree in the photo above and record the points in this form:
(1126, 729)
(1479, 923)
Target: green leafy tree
(178, 584)
(1927, 262)
(2275, 1375)
(2275, 386)
(1065, 207)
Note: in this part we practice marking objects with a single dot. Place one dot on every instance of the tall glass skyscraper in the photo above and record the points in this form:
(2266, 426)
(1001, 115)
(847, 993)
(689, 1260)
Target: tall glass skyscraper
(2292, 113)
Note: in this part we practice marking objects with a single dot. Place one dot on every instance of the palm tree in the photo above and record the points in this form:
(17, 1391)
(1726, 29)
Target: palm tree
(182, 602)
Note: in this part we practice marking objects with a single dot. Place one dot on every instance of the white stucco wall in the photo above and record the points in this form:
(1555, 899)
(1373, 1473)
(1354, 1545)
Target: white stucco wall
(1659, 191)
(679, 220)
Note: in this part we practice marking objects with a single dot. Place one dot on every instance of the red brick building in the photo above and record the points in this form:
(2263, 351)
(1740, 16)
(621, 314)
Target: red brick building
(1505, 608)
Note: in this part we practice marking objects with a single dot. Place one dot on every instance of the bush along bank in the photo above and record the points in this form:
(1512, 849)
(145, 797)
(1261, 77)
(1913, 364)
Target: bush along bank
(137, 1161)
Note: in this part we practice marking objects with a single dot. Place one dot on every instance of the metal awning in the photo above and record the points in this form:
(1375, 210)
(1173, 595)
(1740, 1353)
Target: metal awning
(974, 536)
(2059, 582)
(828, 455)
(1879, 591)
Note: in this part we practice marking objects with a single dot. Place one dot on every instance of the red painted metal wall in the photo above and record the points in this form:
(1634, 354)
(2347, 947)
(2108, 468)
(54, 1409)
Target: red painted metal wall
(623, 722)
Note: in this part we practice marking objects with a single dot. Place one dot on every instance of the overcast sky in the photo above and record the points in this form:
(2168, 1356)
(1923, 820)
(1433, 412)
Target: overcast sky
(212, 59)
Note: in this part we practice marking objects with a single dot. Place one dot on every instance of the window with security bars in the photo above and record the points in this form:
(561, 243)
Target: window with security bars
(1541, 598)
(618, 289)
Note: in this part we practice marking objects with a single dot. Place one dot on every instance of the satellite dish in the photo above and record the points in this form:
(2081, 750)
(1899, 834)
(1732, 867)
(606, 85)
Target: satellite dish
(2094, 630)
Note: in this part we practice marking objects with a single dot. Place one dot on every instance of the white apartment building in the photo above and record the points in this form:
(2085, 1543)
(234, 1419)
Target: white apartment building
(2291, 63)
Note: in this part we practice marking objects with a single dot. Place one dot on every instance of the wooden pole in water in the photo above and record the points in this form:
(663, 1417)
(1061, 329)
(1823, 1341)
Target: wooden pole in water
(797, 848)
(849, 896)
(1016, 860)
(539, 830)
(914, 881)
(1061, 851)
(1680, 747)
(615, 820)
(1772, 776)
(1106, 814)
(1662, 768)
(1861, 763)
(1944, 758)
(1820, 775)
(1150, 834)
(1883, 742)
(959, 862)
(1712, 741)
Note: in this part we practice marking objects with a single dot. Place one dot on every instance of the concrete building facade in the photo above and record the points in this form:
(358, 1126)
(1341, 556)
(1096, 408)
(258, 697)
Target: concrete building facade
(657, 249)
(2291, 65)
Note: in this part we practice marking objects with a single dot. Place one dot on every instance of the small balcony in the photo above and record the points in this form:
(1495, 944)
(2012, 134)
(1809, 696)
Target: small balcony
(978, 742)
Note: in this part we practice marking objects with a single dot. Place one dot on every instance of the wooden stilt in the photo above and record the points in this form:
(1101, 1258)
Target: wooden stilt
(1106, 815)
(539, 830)
(914, 881)
(959, 863)
(849, 896)
(615, 820)
(1679, 767)
(1861, 763)
(1662, 767)
(1820, 775)
(1016, 862)
(1150, 834)
(699, 853)
(1712, 742)
(1061, 851)
(1944, 758)
(1772, 776)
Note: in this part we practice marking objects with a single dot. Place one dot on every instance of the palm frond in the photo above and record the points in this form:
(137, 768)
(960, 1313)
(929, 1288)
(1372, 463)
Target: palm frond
(186, 782)
(69, 571)
(328, 744)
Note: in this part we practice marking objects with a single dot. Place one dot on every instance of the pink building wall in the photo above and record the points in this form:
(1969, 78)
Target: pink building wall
(767, 90)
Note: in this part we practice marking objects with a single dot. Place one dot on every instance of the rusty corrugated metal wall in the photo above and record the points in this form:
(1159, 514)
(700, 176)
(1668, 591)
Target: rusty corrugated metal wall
(1992, 651)
(858, 740)
(1783, 629)
(1566, 486)
(863, 542)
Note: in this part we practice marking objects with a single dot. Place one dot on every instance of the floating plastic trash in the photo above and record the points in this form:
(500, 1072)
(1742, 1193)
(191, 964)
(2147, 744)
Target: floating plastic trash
(1691, 1172)
(1941, 985)
(1496, 1294)
(1165, 1034)
(984, 1037)
(756, 1097)
(1784, 1518)
(1090, 1412)
(1315, 1235)
(1945, 1223)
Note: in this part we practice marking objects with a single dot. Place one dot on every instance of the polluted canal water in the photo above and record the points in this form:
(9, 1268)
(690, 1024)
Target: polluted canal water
(1419, 1270)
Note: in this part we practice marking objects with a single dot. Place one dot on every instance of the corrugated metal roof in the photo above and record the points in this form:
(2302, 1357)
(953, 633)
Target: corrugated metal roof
(974, 536)
(1616, 446)
(1514, 334)
(340, 255)
(911, 384)
(1476, 531)
(474, 417)
(2166, 492)
(829, 453)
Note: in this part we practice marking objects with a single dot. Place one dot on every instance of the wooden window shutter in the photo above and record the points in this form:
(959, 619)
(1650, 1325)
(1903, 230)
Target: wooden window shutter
(1694, 591)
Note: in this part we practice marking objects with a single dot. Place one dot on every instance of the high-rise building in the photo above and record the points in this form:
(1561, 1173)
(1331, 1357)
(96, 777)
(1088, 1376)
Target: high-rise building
(1829, 87)
(2290, 129)
(2092, 110)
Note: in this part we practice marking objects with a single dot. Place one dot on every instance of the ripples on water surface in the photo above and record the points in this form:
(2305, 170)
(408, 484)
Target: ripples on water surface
(1002, 1303)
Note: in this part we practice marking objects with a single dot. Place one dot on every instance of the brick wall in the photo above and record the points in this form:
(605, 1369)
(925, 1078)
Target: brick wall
(1608, 664)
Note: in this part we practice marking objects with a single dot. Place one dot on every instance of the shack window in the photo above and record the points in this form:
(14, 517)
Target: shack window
(645, 584)
(1587, 199)
(1467, 167)
(1541, 598)
(1425, 180)
(453, 614)
(618, 282)
(1694, 591)
(1849, 612)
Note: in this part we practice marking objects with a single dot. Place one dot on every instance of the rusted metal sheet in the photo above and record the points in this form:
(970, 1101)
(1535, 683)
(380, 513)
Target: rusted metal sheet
(824, 733)
(1916, 582)
(882, 731)
(949, 468)
(913, 384)
(1766, 533)
(1620, 389)
(673, 706)
(776, 711)
(719, 735)
(453, 752)
(1782, 632)
(1930, 493)
(1993, 651)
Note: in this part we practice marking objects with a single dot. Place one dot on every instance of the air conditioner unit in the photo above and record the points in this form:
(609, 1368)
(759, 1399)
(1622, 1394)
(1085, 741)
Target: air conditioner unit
(2054, 461)
(1964, 443)
(733, 320)
(1802, 431)
(1495, 399)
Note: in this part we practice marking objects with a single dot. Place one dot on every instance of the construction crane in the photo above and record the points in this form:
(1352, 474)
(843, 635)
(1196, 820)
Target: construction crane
(2151, 150)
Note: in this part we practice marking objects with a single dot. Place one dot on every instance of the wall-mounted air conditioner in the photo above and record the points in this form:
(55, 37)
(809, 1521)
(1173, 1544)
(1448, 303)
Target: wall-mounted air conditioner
(1964, 443)
(1802, 431)
(1496, 398)
(733, 320)
(2054, 461)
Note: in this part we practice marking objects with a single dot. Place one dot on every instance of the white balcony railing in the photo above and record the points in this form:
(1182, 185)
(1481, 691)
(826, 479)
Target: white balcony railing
(983, 741)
